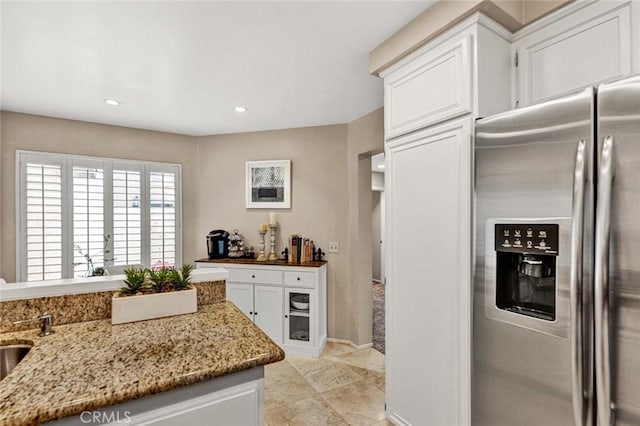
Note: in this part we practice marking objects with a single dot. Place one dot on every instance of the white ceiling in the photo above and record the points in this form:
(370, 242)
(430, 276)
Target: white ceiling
(183, 66)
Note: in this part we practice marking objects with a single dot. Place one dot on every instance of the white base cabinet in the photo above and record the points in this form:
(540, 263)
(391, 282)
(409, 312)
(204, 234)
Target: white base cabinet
(299, 327)
(235, 399)
(267, 306)
(261, 303)
(271, 296)
(242, 296)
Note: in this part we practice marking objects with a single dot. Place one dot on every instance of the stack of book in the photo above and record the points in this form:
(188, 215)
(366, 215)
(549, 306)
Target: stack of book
(300, 249)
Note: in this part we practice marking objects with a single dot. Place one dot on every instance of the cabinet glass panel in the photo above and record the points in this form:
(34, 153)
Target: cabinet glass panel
(299, 316)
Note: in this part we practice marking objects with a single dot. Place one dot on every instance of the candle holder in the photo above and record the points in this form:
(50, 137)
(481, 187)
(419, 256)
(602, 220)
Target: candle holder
(272, 237)
(261, 256)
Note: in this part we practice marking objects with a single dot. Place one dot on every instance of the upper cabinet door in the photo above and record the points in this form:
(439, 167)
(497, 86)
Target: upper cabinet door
(433, 87)
(581, 49)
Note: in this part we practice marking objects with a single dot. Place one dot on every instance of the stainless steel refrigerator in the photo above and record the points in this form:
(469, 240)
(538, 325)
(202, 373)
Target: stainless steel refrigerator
(556, 337)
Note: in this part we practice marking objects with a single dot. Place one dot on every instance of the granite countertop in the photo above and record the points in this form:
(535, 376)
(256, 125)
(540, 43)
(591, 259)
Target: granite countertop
(242, 261)
(88, 365)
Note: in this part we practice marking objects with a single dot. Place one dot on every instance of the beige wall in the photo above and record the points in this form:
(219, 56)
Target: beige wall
(375, 234)
(331, 191)
(37, 133)
(318, 198)
(1, 199)
(536, 9)
(366, 137)
(331, 201)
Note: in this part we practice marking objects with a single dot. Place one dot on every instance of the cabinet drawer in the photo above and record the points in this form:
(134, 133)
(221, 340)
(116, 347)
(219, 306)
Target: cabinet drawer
(260, 276)
(299, 279)
(433, 87)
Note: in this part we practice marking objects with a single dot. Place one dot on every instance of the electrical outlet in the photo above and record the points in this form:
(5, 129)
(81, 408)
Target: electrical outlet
(334, 247)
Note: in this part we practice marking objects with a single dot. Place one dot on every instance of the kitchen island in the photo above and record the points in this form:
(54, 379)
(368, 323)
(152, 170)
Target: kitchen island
(89, 366)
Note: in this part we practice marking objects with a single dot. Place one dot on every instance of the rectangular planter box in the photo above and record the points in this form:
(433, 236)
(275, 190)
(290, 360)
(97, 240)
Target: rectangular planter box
(149, 306)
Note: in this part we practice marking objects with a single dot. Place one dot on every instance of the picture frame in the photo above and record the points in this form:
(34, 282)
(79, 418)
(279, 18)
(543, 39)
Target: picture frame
(268, 184)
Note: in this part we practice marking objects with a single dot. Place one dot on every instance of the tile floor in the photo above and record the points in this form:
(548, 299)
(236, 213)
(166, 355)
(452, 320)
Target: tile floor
(343, 387)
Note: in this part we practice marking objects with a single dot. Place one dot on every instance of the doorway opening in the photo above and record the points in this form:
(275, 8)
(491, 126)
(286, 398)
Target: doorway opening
(377, 250)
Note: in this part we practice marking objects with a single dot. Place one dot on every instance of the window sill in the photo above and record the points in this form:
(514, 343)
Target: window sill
(34, 289)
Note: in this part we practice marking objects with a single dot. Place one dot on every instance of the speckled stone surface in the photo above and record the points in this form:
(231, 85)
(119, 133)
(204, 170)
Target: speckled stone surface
(211, 292)
(65, 309)
(83, 307)
(93, 364)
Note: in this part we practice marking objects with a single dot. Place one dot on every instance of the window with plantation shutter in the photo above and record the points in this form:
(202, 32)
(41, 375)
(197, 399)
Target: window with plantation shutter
(127, 217)
(89, 238)
(162, 217)
(43, 227)
(78, 213)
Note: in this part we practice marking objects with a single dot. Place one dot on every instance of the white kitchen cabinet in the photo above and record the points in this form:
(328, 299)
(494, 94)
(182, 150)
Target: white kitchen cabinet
(428, 276)
(299, 327)
(428, 195)
(445, 78)
(261, 303)
(234, 399)
(263, 292)
(299, 279)
(578, 46)
(255, 275)
(267, 310)
(242, 296)
(239, 405)
(433, 87)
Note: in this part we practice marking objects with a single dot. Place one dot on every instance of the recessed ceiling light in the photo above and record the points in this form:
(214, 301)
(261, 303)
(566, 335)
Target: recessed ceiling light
(111, 102)
(381, 166)
(240, 109)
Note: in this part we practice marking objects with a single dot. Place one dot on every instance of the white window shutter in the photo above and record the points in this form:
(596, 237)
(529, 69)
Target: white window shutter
(118, 212)
(88, 218)
(127, 216)
(162, 218)
(43, 220)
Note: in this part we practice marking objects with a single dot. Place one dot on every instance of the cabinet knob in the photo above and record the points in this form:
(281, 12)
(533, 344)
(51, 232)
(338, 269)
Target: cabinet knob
(250, 313)
(255, 313)
(253, 276)
(286, 316)
(298, 278)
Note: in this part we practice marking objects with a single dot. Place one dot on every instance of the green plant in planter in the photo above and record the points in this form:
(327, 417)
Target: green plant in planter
(181, 278)
(135, 282)
(160, 279)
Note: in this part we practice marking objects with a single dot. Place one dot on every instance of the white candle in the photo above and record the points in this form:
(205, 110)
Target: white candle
(272, 218)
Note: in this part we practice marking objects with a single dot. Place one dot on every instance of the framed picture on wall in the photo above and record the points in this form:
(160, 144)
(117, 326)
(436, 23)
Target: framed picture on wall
(268, 184)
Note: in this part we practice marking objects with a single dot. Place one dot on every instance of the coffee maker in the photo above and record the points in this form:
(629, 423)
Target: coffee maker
(218, 244)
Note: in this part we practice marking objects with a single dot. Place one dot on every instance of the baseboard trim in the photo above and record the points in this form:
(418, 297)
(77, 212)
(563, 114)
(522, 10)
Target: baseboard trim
(305, 351)
(397, 420)
(350, 343)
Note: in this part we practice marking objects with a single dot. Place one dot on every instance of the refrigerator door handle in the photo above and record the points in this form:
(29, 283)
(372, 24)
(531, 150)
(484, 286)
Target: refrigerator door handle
(575, 326)
(601, 290)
